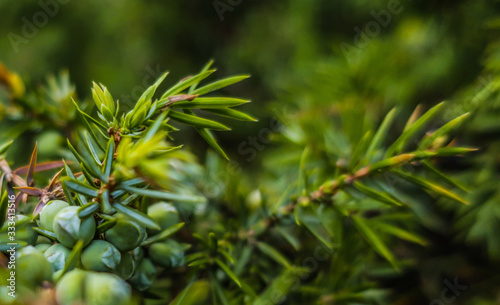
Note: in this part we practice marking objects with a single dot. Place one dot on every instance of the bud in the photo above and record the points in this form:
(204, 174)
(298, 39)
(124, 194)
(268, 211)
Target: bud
(169, 254)
(100, 256)
(144, 275)
(49, 212)
(164, 214)
(57, 255)
(32, 268)
(86, 287)
(126, 234)
(69, 228)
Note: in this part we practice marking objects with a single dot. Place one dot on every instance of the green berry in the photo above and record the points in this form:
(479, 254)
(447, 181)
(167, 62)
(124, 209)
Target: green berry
(42, 247)
(137, 254)
(164, 214)
(32, 268)
(49, 212)
(69, 289)
(169, 254)
(100, 256)
(69, 228)
(126, 234)
(56, 275)
(126, 267)
(57, 255)
(92, 288)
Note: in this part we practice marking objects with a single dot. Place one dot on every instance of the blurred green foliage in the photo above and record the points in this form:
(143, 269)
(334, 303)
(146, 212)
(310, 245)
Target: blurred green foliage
(316, 105)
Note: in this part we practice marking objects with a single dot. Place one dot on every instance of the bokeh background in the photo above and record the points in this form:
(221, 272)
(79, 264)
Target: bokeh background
(293, 49)
(305, 57)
